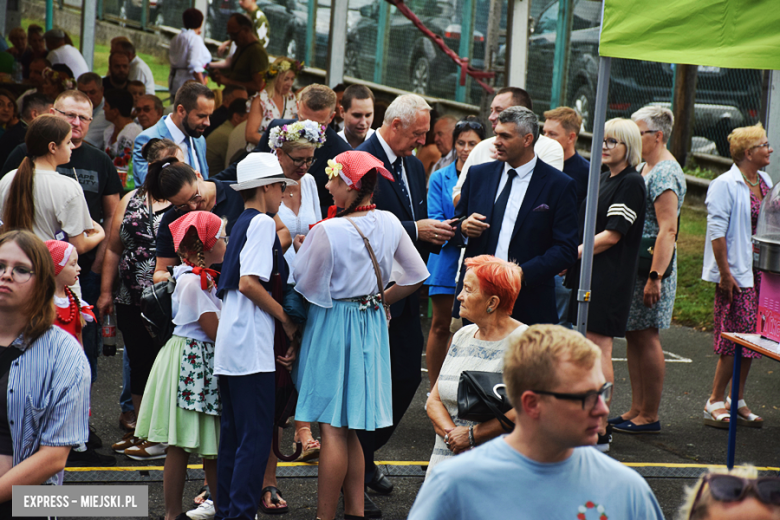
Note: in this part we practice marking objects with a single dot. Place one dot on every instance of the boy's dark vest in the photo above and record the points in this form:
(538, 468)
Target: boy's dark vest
(231, 265)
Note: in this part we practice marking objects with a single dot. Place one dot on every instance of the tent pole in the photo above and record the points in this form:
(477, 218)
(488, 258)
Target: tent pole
(773, 119)
(599, 117)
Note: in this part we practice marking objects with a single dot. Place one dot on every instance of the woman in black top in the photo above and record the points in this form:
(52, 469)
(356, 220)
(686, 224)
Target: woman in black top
(620, 218)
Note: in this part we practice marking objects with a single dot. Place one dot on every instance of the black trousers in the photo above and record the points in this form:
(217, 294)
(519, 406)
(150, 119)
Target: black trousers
(406, 345)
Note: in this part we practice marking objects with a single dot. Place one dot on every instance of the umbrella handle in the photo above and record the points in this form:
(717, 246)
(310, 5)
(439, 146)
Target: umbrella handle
(278, 449)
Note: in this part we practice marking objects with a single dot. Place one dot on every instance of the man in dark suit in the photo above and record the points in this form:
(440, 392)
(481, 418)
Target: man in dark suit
(523, 210)
(317, 103)
(405, 125)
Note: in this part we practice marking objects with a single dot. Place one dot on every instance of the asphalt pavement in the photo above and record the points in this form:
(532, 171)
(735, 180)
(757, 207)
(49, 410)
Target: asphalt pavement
(670, 460)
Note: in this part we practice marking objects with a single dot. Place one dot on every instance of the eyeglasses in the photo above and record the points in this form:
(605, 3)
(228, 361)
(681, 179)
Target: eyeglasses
(147, 108)
(225, 238)
(730, 488)
(71, 117)
(610, 143)
(762, 145)
(589, 399)
(474, 125)
(193, 201)
(283, 185)
(19, 274)
(300, 161)
(643, 132)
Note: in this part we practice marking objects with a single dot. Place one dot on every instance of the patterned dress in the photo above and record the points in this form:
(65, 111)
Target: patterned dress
(466, 353)
(666, 175)
(271, 111)
(740, 315)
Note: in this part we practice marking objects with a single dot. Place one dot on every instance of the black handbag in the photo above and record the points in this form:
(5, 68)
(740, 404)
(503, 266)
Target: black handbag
(482, 396)
(646, 250)
(157, 302)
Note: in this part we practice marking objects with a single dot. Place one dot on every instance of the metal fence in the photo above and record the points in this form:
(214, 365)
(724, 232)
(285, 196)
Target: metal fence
(384, 47)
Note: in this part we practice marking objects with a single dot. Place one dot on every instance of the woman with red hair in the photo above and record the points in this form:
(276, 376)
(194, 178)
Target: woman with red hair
(490, 288)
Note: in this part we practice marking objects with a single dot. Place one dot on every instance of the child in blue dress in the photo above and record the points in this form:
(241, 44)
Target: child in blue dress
(181, 405)
(343, 371)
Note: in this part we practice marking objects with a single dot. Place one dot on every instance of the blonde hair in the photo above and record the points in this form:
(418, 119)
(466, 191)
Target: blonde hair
(532, 360)
(298, 144)
(743, 139)
(705, 499)
(270, 82)
(570, 119)
(626, 131)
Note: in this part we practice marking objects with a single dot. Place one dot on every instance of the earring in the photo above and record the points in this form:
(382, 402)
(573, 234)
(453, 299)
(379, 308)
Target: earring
(490, 310)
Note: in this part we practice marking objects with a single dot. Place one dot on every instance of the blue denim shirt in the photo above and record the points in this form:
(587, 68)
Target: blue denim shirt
(48, 395)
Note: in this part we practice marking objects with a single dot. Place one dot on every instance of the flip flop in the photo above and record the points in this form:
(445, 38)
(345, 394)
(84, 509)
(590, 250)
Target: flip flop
(275, 494)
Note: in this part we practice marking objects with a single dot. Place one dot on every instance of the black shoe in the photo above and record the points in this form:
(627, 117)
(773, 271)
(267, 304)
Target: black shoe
(370, 509)
(90, 458)
(604, 440)
(94, 441)
(380, 483)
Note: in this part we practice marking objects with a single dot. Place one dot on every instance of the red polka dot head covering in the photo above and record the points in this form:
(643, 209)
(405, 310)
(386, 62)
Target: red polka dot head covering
(351, 166)
(60, 252)
(207, 224)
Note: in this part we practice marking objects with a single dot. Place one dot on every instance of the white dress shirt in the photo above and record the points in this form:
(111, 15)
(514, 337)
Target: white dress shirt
(516, 197)
(184, 142)
(391, 156)
(70, 56)
(187, 54)
(368, 135)
(140, 71)
(97, 128)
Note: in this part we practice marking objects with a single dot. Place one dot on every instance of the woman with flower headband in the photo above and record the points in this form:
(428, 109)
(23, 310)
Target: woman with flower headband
(342, 268)
(294, 145)
(275, 101)
(57, 80)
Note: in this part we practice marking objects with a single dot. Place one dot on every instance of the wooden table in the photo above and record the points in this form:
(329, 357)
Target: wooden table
(756, 343)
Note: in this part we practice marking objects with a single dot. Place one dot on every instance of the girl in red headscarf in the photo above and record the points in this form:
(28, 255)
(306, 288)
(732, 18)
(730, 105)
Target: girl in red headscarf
(72, 313)
(180, 412)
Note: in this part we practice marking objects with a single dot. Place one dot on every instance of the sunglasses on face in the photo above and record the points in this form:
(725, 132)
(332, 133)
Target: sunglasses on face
(729, 488)
(474, 125)
(588, 399)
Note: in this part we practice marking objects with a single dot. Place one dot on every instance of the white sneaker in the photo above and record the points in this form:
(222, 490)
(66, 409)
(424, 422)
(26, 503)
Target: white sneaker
(147, 451)
(205, 511)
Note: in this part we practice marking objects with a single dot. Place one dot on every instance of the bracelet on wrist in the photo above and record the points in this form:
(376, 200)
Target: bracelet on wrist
(472, 443)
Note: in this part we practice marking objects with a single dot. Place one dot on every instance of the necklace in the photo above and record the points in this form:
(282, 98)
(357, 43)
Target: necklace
(71, 308)
(365, 208)
(752, 184)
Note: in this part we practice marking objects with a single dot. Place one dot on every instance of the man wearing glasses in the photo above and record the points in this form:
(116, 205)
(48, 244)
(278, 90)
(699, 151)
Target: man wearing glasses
(547, 466)
(148, 110)
(98, 178)
(192, 110)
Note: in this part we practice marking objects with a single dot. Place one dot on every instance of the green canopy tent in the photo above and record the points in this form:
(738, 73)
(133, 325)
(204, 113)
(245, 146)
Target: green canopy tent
(719, 33)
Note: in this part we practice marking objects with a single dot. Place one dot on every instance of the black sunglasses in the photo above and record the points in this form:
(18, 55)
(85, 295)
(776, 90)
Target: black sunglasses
(729, 488)
(589, 399)
(474, 125)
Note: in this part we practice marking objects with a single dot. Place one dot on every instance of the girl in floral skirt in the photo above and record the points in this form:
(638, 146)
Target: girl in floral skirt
(181, 403)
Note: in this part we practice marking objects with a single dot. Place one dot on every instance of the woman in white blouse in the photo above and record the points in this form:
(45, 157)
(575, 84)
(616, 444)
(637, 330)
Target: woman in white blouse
(275, 101)
(300, 209)
(346, 328)
(187, 53)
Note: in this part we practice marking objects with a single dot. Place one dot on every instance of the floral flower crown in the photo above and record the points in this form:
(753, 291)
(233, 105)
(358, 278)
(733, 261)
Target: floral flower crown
(284, 66)
(300, 130)
(58, 77)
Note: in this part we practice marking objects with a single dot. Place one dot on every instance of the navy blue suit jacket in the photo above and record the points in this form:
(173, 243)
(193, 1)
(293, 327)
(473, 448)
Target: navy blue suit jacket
(388, 197)
(333, 146)
(544, 241)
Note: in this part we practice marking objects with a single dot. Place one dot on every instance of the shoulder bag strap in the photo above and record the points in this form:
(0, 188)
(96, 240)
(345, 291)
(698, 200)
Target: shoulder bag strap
(373, 260)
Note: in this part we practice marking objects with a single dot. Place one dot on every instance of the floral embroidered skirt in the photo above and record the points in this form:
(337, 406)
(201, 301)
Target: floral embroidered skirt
(181, 403)
(738, 316)
(343, 370)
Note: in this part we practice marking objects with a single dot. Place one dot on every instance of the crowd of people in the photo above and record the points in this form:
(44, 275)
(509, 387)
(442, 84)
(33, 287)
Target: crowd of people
(318, 220)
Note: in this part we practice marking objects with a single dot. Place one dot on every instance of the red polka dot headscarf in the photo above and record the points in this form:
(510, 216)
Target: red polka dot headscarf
(207, 224)
(352, 165)
(60, 252)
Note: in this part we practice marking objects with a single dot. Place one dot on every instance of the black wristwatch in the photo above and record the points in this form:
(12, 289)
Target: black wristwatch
(654, 275)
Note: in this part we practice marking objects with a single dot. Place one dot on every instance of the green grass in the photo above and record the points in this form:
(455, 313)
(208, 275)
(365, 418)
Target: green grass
(702, 173)
(695, 297)
(160, 68)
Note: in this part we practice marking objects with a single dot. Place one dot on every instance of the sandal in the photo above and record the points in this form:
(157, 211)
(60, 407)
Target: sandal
(275, 494)
(720, 420)
(203, 495)
(751, 420)
(311, 451)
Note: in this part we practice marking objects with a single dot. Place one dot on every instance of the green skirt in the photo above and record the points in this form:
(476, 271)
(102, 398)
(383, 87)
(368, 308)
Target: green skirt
(162, 420)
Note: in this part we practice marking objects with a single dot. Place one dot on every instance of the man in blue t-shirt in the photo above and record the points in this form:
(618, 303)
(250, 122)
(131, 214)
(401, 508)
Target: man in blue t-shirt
(547, 467)
(563, 125)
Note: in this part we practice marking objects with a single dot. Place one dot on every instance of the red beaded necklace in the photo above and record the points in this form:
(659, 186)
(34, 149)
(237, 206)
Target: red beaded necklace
(365, 208)
(71, 307)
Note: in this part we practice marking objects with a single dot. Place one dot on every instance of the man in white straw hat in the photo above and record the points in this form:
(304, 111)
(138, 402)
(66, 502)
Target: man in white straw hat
(244, 350)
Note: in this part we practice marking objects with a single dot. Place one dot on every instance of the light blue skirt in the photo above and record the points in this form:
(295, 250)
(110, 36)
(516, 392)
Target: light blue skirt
(343, 370)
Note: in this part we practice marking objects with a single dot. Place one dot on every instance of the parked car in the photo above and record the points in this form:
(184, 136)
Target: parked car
(725, 98)
(412, 61)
